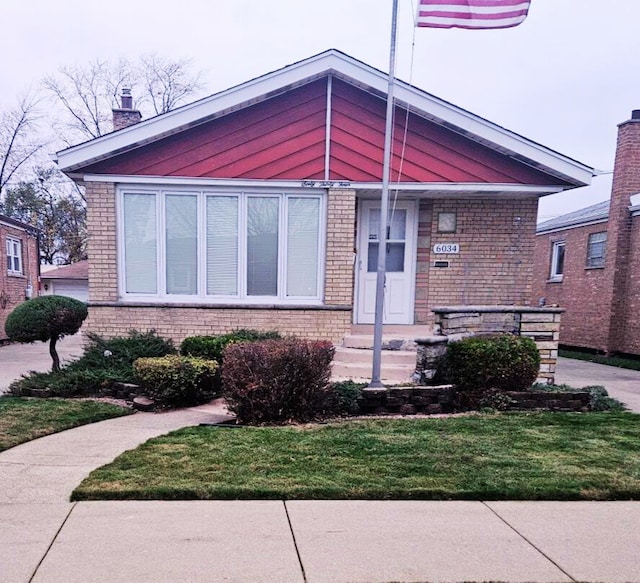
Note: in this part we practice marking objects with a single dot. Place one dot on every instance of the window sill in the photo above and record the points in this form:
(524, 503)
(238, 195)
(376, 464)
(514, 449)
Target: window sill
(16, 274)
(589, 267)
(555, 280)
(217, 306)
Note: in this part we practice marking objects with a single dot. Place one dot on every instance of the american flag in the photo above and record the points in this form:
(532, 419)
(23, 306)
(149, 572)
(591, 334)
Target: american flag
(475, 14)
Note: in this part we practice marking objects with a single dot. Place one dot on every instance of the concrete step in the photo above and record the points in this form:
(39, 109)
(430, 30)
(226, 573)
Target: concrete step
(365, 356)
(361, 372)
(389, 341)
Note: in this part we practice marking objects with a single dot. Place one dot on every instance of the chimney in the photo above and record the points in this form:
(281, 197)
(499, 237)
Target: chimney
(125, 116)
(626, 182)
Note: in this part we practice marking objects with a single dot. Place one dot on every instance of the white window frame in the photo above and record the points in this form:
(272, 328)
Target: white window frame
(590, 244)
(14, 251)
(201, 297)
(555, 247)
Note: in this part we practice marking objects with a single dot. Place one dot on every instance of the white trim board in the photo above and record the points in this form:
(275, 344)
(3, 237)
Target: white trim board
(416, 188)
(351, 70)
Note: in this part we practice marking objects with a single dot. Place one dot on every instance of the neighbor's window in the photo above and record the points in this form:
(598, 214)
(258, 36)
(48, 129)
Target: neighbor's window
(557, 260)
(14, 256)
(225, 247)
(596, 249)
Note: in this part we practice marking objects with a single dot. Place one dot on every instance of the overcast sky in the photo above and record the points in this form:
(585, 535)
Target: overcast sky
(565, 78)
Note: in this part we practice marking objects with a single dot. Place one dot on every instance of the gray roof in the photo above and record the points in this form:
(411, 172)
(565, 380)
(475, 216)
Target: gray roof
(596, 212)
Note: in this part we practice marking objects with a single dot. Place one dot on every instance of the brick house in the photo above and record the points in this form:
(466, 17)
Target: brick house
(19, 268)
(258, 207)
(589, 261)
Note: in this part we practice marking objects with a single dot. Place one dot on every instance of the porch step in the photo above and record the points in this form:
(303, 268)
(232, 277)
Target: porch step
(397, 366)
(365, 356)
(396, 374)
(390, 342)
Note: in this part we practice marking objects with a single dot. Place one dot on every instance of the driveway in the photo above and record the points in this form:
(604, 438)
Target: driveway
(18, 359)
(621, 383)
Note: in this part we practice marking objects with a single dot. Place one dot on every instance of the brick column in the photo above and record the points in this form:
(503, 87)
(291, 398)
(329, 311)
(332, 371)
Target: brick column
(341, 220)
(626, 182)
(101, 227)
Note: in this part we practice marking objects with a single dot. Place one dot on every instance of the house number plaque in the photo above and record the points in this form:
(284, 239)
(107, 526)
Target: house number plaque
(440, 248)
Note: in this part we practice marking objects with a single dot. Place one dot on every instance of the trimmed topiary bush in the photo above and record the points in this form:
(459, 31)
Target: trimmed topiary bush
(176, 381)
(46, 318)
(480, 367)
(276, 381)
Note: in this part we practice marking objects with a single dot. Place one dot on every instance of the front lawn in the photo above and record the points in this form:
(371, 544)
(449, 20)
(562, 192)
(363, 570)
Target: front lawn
(24, 419)
(537, 456)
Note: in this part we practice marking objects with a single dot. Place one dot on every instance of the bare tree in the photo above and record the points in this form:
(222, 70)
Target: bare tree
(87, 96)
(18, 140)
(88, 93)
(166, 84)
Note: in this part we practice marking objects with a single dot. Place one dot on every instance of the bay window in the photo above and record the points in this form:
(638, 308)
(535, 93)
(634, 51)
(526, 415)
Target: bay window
(221, 247)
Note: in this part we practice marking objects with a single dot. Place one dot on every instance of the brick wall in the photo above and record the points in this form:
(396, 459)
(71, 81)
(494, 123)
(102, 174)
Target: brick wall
(178, 322)
(584, 292)
(494, 266)
(107, 317)
(339, 270)
(602, 303)
(631, 335)
(102, 244)
(423, 314)
(626, 182)
(12, 287)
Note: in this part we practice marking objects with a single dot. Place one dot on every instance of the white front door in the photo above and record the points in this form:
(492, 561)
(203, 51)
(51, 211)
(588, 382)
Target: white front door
(401, 262)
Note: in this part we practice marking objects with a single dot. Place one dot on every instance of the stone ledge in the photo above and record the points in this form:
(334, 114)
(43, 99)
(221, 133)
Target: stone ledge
(500, 309)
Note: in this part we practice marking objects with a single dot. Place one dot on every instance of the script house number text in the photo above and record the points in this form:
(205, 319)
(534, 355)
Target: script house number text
(446, 248)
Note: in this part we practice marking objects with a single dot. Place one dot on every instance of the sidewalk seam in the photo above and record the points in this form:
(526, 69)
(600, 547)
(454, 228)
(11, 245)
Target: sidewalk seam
(295, 542)
(53, 540)
(528, 541)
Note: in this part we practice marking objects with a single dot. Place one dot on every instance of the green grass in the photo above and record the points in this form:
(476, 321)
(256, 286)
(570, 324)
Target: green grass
(23, 419)
(618, 361)
(539, 456)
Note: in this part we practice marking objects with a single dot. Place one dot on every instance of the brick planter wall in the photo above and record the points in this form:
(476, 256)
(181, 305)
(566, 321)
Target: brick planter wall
(439, 399)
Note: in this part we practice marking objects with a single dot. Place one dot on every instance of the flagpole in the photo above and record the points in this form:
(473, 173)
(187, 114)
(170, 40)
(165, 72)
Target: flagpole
(383, 233)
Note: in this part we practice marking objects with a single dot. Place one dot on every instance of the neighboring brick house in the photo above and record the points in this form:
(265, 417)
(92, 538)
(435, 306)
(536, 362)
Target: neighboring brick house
(589, 261)
(19, 268)
(258, 207)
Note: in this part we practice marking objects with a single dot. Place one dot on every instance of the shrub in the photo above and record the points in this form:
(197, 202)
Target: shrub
(104, 362)
(275, 381)
(345, 397)
(482, 366)
(46, 318)
(176, 381)
(212, 347)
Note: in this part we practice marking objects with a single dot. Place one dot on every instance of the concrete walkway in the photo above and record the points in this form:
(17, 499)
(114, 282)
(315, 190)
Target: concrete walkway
(46, 539)
(621, 383)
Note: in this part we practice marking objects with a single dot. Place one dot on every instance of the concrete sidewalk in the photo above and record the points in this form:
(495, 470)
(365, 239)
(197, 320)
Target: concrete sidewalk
(319, 541)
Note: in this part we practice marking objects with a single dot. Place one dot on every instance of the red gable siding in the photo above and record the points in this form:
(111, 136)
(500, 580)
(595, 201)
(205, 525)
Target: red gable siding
(284, 138)
(432, 153)
(280, 138)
